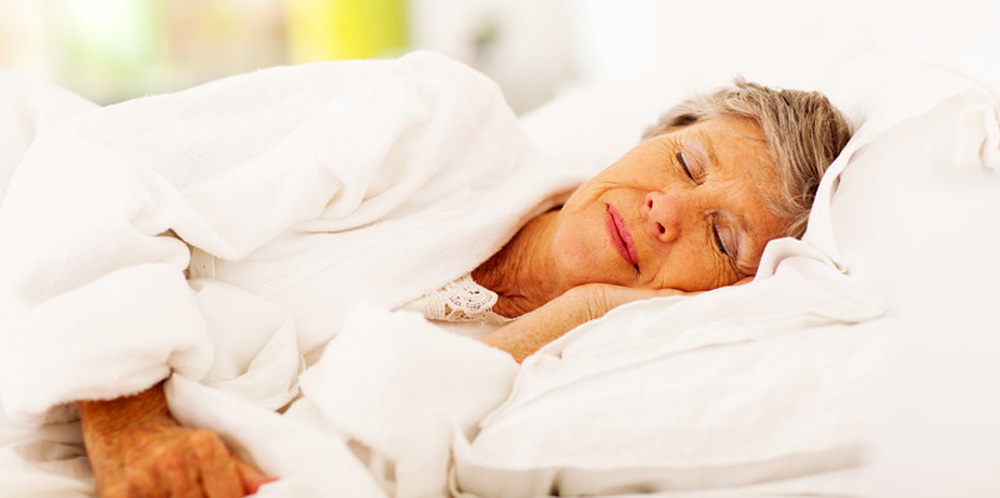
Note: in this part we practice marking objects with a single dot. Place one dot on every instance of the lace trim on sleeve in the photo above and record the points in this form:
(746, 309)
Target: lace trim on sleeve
(463, 301)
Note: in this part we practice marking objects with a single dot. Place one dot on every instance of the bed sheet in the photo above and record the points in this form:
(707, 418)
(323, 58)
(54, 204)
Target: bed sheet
(769, 389)
(727, 398)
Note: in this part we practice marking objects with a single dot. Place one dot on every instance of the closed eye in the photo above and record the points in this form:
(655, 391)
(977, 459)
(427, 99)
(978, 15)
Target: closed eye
(719, 243)
(683, 162)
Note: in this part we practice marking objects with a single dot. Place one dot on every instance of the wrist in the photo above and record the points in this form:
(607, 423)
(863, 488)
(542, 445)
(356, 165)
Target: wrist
(148, 407)
(587, 302)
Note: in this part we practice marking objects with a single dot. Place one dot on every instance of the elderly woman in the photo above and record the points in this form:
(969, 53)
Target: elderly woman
(689, 209)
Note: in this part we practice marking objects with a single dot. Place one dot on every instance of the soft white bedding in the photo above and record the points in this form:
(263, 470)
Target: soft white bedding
(777, 388)
(769, 389)
(380, 179)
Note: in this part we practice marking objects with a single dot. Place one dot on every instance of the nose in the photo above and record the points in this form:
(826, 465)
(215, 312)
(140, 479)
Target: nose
(663, 214)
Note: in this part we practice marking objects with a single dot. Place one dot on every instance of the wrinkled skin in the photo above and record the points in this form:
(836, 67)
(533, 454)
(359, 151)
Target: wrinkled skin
(137, 449)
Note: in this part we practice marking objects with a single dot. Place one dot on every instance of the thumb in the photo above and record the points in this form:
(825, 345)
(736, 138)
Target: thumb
(252, 478)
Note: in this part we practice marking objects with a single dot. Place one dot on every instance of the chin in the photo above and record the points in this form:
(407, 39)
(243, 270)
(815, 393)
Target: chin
(596, 272)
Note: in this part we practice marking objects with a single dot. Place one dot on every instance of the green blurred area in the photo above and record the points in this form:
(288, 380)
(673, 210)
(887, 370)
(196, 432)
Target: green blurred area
(111, 50)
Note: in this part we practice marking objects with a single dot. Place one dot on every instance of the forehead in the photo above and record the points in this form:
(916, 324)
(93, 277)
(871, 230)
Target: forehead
(729, 142)
(730, 148)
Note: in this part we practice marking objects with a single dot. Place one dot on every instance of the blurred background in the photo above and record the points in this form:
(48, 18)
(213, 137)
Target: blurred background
(110, 50)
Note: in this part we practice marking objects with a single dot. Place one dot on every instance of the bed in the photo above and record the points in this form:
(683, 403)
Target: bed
(859, 362)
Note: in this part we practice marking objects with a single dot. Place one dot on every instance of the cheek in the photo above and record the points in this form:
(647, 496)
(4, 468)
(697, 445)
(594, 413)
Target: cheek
(572, 262)
(585, 194)
(583, 254)
(630, 172)
(641, 176)
(692, 270)
(573, 243)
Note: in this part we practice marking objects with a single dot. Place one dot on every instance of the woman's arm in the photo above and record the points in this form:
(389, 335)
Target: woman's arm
(533, 330)
(137, 449)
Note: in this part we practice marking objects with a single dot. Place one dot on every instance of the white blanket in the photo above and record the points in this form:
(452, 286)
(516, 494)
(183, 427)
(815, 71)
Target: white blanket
(303, 192)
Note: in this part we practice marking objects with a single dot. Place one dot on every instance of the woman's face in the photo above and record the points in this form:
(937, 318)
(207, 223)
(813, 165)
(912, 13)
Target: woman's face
(683, 210)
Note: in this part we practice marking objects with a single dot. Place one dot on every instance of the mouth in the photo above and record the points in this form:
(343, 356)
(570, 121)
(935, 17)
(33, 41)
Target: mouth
(620, 237)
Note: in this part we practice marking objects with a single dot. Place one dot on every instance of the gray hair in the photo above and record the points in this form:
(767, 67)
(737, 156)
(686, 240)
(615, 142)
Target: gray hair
(804, 134)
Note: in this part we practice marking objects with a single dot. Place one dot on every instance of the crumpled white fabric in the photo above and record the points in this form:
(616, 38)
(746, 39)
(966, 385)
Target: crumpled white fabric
(30, 105)
(391, 384)
(48, 461)
(305, 192)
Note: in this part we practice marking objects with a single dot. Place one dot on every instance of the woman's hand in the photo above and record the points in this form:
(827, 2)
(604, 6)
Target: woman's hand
(137, 449)
(580, 304)
(602, 298)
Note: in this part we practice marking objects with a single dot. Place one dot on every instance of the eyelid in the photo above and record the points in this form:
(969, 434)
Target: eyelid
(720, 244)
(726, 241)
(684, 165)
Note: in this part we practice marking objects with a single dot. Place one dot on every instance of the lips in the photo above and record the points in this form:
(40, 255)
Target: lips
(620, 237)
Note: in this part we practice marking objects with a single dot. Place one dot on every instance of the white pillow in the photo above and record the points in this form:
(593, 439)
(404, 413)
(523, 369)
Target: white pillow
(756, 384)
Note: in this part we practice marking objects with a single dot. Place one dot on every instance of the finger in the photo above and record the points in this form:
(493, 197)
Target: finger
(674, 292)
(142, 483)
(252, 478)
(178, 474)
(219, 477)
(745, 280)
(116, 490)
(109, 480)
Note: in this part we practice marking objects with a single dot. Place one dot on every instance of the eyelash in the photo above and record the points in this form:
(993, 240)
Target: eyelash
(679, 155)
(720, 244)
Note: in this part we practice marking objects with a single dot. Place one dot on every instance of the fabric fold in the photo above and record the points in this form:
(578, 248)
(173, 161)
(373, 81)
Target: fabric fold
(404, 388)
(308, 188)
